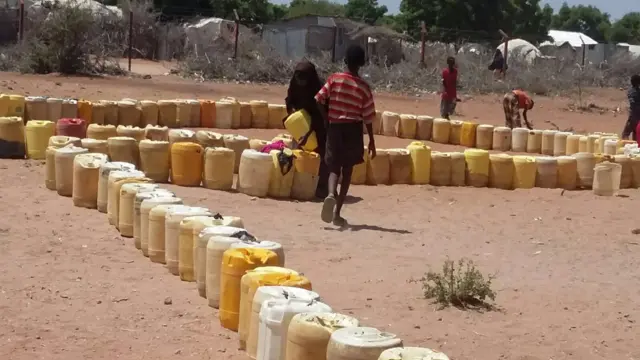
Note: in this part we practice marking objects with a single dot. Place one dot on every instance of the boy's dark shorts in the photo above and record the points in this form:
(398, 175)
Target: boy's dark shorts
(345, 145)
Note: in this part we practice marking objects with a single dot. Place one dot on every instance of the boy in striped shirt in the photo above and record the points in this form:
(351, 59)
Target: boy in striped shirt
(350, 104)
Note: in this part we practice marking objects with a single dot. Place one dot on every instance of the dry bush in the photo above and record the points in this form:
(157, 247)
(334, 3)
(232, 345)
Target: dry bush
(461, 285)
(257, 62)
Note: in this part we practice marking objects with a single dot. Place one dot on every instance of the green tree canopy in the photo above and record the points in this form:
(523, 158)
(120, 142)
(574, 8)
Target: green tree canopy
(314, 7)
(588, 20)
(366, 11)
(627, 29)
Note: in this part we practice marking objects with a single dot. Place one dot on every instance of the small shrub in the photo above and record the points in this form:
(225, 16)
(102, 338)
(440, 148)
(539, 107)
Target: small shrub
(461, 286)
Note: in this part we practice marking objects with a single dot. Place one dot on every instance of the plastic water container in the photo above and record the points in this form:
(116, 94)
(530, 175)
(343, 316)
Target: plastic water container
(440, 169)
(71, 127)
(238, 144)
(137, 213)
(420, 163)
(408, 126)
(277, 113)
(50, 168)
(501, 138)
(131, 131)
(157, 236)
(519, 138)
(501, 171)
(567, 172)
(12, 138)
(400, 166)
(128, 113)
(209, 139)
(98, 112)
(424, 127)
(235, 263)
(548, 141)
(583, 142)
(360, 343)
(96, 146)
(610, 146)
(186, 164)
(591, 143)
(224, 114)
(412, 353)
(69, 108)
(201, 236)
(276, 314)
(282, 170)
(126, 212)
(194, 112)
(155, 229)
(259, 114)
(190, 228)
(263, 276)
(585, 162)
(606, 178)
(207, 113)
(635, 170)
(458, 169)
(299, 124)
(36, 108)
(573, 144)
(560, 143)
(468, 134)
(379, 169)
(154, 159)
(85, 110)
(524, 174)
(254, 173)
(534, 142)
(123, 149)
(360, 171)
(219, 163)
(116, 187)
(181, 135)
(148, 113)
(113, 191)
(626, 176)
(103, 183)
(167, 113)
(441, 131)
(86, 175)
(15, 106)
(218, 240)
(455, 132)
(546, 172)
(183, 113)
(286, 139)
(484, 137)
(390, 123)
(305, 176)
(235, 113)
(157, 133)
(54, 109)
(101, 132)
(38, 133)
(262, 244)
(257, 328)
(64, 159)
(172, 220)
(477, 167)
(377, 123)
(309, 334)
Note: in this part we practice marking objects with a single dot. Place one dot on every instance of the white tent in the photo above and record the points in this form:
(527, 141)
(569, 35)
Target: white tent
(210, 32)
(521, 49)
(95, 6)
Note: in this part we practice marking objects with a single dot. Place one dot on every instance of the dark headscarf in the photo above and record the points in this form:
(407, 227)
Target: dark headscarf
(301, 96)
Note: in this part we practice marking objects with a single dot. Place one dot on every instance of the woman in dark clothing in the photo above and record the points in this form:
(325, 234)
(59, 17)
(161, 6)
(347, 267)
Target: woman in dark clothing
(303, 87)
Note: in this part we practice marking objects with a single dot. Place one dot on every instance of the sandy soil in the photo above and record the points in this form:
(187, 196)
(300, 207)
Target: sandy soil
(567, 265)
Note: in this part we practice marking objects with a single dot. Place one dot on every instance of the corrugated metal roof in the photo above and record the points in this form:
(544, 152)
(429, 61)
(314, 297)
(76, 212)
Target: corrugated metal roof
(573, 38)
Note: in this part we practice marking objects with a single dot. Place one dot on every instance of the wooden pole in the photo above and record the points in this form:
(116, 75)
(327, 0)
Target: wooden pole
(423, 39)
(505, 38)
(130, 37)
(21, 24)
(236, 34)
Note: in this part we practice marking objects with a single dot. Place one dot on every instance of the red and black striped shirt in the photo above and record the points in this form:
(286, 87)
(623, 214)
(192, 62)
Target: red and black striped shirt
(350, 99)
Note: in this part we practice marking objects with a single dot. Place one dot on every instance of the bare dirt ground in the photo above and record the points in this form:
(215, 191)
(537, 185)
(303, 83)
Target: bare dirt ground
(567, 265)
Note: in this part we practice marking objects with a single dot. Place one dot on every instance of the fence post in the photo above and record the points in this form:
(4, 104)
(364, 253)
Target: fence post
(423, 38)
(236, 34)
(505, 38)
(335, 42)
(21, 23)
(130, 37)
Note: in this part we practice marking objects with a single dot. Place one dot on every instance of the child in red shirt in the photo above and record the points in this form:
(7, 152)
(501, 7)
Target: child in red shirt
(350, 104)
(449, 90)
